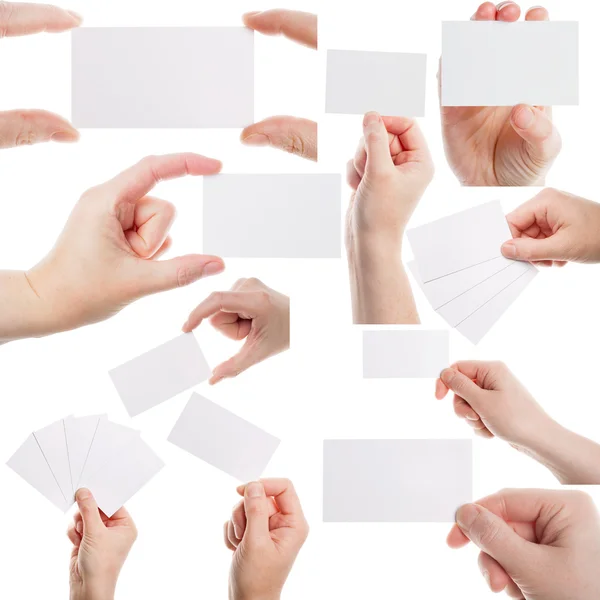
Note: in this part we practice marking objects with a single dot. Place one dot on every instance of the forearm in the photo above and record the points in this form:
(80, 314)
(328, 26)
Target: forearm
(572, 458)
(22, 313)
(379, 286)
(81, 591)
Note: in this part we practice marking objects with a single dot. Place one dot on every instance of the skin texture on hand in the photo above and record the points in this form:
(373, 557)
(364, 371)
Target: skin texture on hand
(100, 548)
(553, 228)
(24, 127)
(535, 544)
(494, 403)
(250, 311)
(106, 256)
(496, 145)
(266, 531)
(291, 134)
(388, 175)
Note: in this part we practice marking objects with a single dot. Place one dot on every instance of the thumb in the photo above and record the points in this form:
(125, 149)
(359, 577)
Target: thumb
(377, 144)
(462, 386)
(163, 275)
(25, 127)
(297, 136)
(256, 506)
(495, 537)
(237, 364)
(537, 129)
(92, 522)
(530, 249)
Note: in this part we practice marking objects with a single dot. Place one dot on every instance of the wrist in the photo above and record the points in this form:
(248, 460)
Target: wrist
(371, 250)
(92, 591)
(550, 447)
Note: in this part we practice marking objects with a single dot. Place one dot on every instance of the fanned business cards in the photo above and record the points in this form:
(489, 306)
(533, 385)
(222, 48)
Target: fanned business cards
(111, 460)
(459, 266)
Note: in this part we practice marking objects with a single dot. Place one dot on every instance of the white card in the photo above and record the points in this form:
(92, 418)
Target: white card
(29, 463)
(445, 289)
(80, 433)
(482, 320)
(391, 83)
(405, 353)
(53, 444)
(109, 440)
(160, 374)
(491, 63)
(162, 77)
(272, 216)
(462, 307)
(461, 240)
(223, 439)
(123, 475)
(395, 480)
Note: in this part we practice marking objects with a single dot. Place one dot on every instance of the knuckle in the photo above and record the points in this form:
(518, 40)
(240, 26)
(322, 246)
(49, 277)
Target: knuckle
(255, 509)
(254, 282)
(6, 14)
(582, 499)
(264, 298)
(488, 533)
(26, 135)
(295, 144)
(185, 276)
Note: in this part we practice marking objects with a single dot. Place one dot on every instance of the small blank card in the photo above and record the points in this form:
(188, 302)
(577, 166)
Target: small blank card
(272, 216)
(395, 480)
(390, 83)
(160, 374)
(405, 353)
(491, 63)
(223, 439)
(157, 77)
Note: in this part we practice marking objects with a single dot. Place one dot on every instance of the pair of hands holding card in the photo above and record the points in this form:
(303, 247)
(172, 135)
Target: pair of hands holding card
(265, 532)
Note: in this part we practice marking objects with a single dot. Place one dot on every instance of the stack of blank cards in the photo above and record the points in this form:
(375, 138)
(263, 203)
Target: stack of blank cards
(460, 268)
(111, 460)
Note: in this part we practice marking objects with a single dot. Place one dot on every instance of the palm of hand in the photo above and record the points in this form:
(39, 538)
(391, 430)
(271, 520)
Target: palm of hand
(484, 149)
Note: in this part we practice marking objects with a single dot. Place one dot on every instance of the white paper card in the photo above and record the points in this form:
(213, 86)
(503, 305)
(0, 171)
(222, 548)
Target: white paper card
(462, 307)
(29, 463)
(162, 77)
(395, 480)
(461, 240)
(160, 374)
(123, 475)
(482, 320)
(223, 439)
(391, 83)
(491, 63)
(405, 353)
(80, 433)
(272, 216)
(53, 444)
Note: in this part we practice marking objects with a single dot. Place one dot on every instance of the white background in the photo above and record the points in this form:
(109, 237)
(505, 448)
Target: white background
(315, 391)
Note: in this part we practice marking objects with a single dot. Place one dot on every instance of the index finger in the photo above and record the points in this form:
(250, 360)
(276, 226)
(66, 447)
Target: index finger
(18, 18)
(284, 493)
(408, 131)
(295, 25)
(135, 182)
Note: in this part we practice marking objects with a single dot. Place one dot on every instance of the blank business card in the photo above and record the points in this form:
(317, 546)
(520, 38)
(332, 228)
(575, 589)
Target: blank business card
(390, 83)
(395, 480)
(160, 374)
(410, 353)
(459, 241)
(223, 439)
(491, 63)
(156, 77)
(272, 216)
(80, 433)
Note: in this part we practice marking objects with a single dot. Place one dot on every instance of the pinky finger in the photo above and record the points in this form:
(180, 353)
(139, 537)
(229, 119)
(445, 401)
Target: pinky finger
(484, 433)
(537, 13)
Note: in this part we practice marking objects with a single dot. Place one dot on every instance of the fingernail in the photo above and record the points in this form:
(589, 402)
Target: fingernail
(465, 516)
(524, 117)
(252, 13)
(240, 489)
(486, 576)
(65, 136)
(83, 494)
(371, 118)
(503, 4)
(213, 268)
(76, 16)
(256, 139)
(254, 489)
(185, 326)
(236, 531)
(509, 250)
(447, 376)
(472, 417)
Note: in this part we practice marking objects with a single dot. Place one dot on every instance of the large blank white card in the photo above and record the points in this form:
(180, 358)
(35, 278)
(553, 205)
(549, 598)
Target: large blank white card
(395, 480)
(493, 63)
(405, 353)
(272, 216)
(155, 77)
(160, 374)
(390, 83)
(222, 439)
